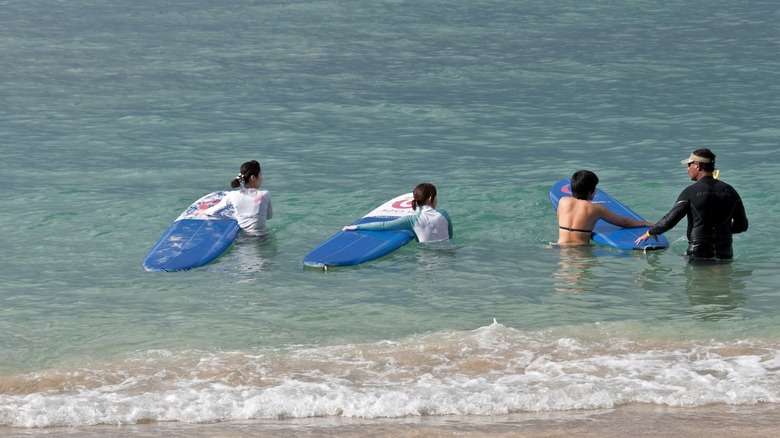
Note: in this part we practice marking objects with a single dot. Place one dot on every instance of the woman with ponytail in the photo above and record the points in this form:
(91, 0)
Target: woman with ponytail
(252, 206)
(428, 225)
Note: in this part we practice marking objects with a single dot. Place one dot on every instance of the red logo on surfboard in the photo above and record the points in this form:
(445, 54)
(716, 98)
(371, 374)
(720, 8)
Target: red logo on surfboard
(403, 203)
(566, 189)
(208, 204)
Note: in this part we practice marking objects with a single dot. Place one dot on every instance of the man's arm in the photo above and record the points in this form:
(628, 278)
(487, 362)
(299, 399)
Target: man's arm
(739, 220)
(679, 211)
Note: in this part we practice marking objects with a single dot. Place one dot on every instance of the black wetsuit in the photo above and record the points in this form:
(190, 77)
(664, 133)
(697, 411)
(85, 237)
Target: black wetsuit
(714, 211)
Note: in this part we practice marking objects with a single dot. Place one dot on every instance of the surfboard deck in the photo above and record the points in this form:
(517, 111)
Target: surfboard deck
(193, 240)
(605, 233)
(349, 248)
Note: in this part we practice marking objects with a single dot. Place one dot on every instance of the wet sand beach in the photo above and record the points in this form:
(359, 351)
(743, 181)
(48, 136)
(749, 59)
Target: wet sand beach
(635, 421)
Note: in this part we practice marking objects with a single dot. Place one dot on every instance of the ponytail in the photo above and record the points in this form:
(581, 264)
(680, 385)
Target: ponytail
(423, 193)
(248, 169)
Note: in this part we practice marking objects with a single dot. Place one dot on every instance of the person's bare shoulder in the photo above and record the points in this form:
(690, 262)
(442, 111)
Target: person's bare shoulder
(601, 211)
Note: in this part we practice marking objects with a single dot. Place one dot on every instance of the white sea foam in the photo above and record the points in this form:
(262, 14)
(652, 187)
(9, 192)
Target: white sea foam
(490, 371)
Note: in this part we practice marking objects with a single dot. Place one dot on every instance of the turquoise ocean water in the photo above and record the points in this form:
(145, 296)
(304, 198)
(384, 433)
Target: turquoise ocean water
(115, 116)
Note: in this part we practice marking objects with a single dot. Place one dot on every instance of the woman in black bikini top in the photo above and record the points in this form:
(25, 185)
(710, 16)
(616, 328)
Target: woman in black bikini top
(577, 215)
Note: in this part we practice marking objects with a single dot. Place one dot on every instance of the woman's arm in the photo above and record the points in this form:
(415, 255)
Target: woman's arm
(401, 223)
(270, 211)
(449, 222)
(621, 221)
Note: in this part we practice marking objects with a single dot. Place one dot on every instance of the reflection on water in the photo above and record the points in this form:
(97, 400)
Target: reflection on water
(713, 288)
(250, 255)
(434, 256)
(575, 268)
(655, 276)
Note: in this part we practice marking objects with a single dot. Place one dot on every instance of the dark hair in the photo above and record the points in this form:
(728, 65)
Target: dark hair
(423, 194)
(705, 153)
(583, 183)
(248, 169)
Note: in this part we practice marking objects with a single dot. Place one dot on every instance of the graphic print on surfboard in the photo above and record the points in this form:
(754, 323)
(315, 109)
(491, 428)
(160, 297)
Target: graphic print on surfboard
(605, 233)
(193, 239)
(347, 248)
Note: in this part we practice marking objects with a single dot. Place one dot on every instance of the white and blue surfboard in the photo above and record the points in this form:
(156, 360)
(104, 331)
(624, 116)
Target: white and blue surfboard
(193, 239)
(605, 233)
(348, 248)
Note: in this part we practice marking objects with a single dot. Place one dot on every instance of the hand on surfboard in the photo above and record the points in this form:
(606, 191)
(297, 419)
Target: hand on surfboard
(349, 228)
(644, 237)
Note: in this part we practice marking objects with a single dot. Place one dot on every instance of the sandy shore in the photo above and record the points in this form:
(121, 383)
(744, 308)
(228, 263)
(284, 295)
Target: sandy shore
(634, 421)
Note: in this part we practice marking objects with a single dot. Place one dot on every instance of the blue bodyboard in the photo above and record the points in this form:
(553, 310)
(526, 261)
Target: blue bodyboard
(348, 248)
(605, 233)
(193, 239)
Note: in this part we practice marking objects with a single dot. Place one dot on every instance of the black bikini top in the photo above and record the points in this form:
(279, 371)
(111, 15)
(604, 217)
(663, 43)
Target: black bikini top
(575, 230)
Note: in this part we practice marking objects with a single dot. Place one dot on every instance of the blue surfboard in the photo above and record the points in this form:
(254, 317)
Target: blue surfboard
(605, 233)
(348, 248)
(193, 239)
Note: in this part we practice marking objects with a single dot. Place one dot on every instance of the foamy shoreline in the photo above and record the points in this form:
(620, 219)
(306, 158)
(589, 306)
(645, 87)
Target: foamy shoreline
(634, 420)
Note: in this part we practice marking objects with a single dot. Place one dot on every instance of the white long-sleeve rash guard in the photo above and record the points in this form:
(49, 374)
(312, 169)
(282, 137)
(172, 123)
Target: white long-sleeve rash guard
(252, 209)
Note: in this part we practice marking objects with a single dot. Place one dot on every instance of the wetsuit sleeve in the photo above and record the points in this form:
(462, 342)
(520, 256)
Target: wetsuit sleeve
(679, 211)
(739, 220)
(402, 223)
(449, 222)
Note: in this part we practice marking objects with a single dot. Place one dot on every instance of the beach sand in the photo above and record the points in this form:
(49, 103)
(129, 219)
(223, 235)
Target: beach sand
(634, 421)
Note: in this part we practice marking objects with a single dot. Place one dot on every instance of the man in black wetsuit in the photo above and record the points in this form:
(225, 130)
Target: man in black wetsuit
(714, 210)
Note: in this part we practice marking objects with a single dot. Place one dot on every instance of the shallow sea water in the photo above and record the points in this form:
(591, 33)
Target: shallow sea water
(117, 116)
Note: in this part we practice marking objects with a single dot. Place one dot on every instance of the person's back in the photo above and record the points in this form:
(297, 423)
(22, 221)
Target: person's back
(253, 208)
(431, 225)
(711, 210)
(576, 218)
